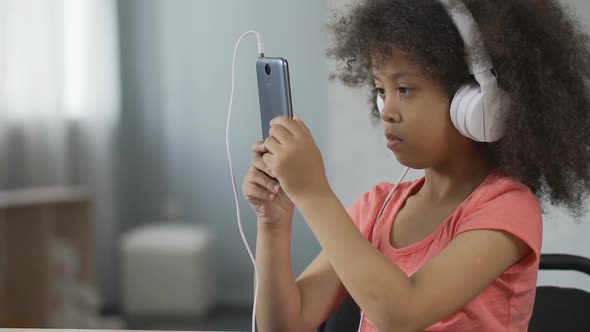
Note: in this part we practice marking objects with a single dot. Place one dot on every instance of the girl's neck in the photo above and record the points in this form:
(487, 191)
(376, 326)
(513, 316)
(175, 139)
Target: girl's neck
(455, 180)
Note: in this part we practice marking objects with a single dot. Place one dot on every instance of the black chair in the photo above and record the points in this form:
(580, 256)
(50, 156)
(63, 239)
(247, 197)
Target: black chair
(556, 309)
(345, 319)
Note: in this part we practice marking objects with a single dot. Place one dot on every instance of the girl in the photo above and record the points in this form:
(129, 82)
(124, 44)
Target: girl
(458, 249)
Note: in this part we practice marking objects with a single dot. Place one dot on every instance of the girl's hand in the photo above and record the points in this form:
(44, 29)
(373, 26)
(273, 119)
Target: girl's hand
(269, 201)
(294, 158)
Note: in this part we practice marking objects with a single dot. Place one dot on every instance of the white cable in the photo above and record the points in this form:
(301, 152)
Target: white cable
(389, 196)
(375, 224)
(231, 169)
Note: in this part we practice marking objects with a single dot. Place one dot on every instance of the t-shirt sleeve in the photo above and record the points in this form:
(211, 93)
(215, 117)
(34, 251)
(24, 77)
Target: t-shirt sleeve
(364, 209)
(358, 213)
(516, 211)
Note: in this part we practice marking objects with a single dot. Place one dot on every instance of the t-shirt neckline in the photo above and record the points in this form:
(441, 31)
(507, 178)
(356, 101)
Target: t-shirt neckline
(385, 237)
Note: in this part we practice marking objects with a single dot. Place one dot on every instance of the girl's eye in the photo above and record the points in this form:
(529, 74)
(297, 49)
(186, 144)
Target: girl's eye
(404, 91)
(401, 91)
(380, 92)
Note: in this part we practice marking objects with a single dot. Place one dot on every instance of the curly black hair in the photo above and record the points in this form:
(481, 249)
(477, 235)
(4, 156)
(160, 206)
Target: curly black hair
(541, 54)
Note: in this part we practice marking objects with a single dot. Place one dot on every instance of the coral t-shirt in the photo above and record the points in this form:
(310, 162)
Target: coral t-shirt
(498, 203)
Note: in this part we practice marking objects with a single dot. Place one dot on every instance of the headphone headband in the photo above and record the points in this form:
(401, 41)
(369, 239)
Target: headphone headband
(478, 58)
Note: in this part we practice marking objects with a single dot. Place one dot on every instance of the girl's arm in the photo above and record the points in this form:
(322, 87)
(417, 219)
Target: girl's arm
(390, 299)
(285, 304)
(279, 302)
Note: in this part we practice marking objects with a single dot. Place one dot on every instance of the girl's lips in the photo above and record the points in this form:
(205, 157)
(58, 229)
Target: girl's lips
(392, 137)
(393, 140)
(393, 143)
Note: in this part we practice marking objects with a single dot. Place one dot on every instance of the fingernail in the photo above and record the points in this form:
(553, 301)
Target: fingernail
(261, 147)
(277, 187)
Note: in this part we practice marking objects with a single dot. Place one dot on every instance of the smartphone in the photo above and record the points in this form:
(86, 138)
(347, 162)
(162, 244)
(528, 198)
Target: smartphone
(274, 90)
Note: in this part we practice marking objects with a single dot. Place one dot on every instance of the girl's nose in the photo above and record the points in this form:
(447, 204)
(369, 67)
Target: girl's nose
(389, 113)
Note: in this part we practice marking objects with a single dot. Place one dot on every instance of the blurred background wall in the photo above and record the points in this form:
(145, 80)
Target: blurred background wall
(176, 59)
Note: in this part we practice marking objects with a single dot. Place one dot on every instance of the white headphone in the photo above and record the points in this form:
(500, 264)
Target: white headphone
(477, 109)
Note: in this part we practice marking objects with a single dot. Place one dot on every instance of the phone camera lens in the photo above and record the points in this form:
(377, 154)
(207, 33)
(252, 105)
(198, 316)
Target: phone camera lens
(267, 69)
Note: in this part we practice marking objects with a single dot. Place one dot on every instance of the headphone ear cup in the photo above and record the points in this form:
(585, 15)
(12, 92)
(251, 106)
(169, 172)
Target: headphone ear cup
(463, 103)
(467, 108)
(380, 104)
(494, 105)
(455, 105)
(474, 119)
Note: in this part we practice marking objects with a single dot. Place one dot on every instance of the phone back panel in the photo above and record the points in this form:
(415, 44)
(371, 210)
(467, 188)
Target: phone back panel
(274, 90)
